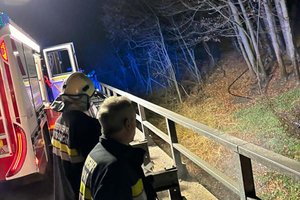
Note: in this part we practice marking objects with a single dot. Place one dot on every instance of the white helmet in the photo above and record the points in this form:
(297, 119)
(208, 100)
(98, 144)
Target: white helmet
(78, 84)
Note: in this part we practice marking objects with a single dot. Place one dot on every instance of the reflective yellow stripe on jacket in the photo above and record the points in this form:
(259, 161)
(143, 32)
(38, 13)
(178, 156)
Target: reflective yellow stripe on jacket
(138, 192)
(64, 148)
(66, 153)
(138, 188)
(85, 191)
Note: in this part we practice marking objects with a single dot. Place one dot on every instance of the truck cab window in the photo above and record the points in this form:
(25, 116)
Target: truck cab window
(59, 62)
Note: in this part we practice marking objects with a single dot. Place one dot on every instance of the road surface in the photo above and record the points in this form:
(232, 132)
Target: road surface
(40, 189)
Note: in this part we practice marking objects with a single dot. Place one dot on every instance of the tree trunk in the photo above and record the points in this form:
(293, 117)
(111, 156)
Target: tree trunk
(135, 70)
(195, 67)
(286, 29)
(282, 26)
(274, 38)
(279, 39)
(243, 37)
(245, 57)
(265, 40)
(253, 40)
(211, 57)
(169, 63)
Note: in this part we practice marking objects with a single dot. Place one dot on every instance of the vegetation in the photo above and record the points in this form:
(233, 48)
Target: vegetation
(265, 122)
(173, 44)
(257, 120)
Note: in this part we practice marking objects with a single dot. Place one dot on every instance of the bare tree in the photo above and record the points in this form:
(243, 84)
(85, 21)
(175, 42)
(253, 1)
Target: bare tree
(272, 32)
(136, 24)
(163, 35)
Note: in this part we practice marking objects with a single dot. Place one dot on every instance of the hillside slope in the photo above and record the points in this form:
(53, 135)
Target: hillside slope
(260, 117)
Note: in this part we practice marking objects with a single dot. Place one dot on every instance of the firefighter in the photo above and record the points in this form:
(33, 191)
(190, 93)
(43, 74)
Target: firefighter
(112, 171)
(74, 135)
(48, 84)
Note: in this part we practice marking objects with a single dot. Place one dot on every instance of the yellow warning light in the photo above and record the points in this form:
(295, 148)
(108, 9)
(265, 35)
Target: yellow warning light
(1, 143)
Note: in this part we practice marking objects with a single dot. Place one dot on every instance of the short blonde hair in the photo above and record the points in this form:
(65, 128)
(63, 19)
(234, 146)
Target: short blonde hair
(113, 112)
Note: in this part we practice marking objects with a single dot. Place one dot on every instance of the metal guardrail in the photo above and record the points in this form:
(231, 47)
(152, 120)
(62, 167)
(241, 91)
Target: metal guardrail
(245, 151)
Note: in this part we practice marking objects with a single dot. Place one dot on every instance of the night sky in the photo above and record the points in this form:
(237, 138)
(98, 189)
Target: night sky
(52, 22)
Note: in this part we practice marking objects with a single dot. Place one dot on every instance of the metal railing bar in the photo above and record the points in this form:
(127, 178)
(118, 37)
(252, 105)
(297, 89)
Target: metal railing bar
(138, 117)
(268, 158)
(228, 182)
(158, 132)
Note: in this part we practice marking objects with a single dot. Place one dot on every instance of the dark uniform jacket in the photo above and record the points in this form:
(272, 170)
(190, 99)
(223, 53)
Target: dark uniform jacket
(74, 136)
(112, 171)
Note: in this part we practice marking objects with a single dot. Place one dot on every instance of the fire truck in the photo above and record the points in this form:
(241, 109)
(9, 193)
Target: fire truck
(24, 123)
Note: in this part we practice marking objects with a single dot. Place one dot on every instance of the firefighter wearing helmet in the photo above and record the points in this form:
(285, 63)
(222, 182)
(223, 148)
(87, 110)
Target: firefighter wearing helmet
(74, 135)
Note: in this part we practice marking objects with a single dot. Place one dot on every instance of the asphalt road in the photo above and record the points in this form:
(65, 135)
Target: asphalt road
(32, 188)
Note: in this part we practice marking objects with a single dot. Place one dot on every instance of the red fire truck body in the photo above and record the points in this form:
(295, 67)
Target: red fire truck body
(24, 127)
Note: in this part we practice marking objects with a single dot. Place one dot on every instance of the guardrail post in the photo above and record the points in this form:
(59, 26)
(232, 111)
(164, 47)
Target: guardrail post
(144, 145)
(182, 171)
(145, 133)
(144, 128)
(103, 89)
(108, 92)
(247, 186)
(167, 180)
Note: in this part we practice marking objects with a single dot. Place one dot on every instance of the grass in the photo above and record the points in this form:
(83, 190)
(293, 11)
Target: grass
(261, 121)
(288, 100)
(289, 189)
